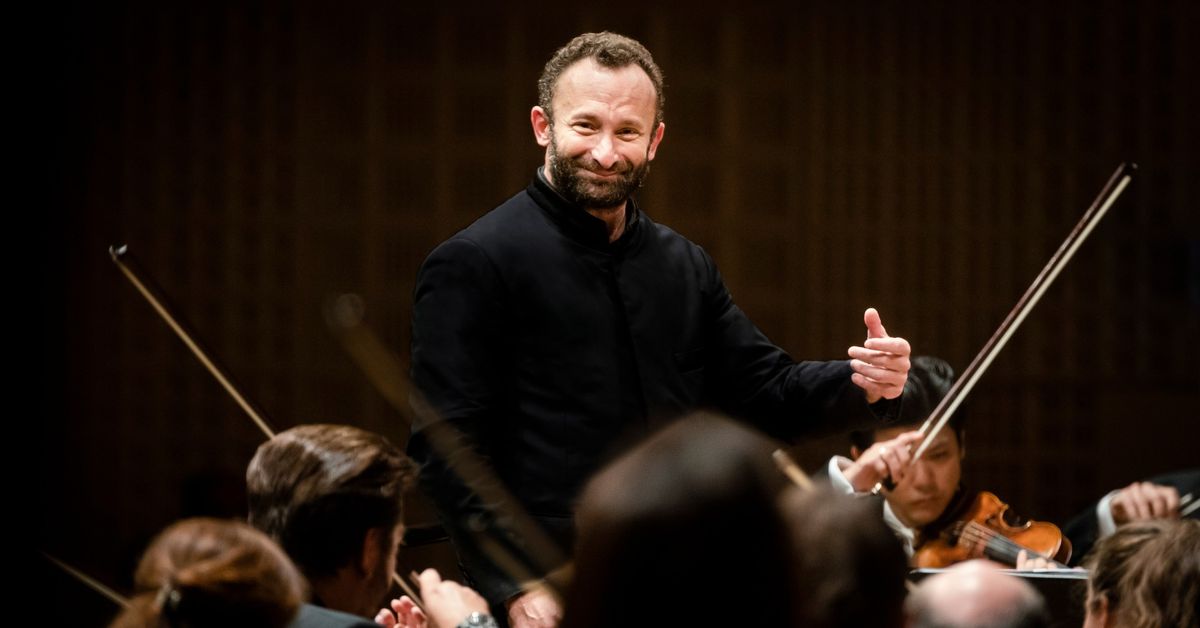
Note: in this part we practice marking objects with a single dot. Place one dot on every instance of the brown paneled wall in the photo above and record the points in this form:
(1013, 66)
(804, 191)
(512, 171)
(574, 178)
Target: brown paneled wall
(922, 158)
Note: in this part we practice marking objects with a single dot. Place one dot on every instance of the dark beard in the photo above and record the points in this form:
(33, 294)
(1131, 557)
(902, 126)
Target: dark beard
(589, 193)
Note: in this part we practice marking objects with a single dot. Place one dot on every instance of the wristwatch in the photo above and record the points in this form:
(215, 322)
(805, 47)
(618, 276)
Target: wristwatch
(478, 620)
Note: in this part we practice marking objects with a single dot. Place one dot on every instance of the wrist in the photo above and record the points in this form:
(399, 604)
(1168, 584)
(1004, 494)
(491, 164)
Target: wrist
(853, 475)
(478, 620)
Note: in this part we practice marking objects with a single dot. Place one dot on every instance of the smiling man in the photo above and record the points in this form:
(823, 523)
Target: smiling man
(609, 132)
(565, 323)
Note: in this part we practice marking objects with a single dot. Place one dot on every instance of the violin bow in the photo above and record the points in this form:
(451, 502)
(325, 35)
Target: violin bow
(133, 271)
(89, 582)
(153, 295)
(791, 469)
(966, 382)
(1188, 504)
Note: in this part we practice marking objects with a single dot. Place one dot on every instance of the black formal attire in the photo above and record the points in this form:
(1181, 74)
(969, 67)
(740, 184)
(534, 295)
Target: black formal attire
(548, 347)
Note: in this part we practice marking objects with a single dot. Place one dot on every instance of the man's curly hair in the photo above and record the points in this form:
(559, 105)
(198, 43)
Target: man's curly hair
(610, 50)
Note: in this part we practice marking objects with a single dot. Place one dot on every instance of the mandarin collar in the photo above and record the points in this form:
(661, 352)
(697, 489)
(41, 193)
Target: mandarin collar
(577, 223)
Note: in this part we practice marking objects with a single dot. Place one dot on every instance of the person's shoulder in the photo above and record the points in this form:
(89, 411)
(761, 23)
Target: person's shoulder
(675, 247)
(313, 616)
(517, 217)
(491, 233)
(663, 235)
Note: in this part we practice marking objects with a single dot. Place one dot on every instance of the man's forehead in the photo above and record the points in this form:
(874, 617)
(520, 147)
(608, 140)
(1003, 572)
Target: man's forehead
(588, 79)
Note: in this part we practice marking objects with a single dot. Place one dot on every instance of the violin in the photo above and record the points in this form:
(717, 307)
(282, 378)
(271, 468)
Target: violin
(986, 528)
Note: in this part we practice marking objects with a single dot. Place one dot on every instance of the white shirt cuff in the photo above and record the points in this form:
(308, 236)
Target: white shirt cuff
(1104, 517)
(838, 479)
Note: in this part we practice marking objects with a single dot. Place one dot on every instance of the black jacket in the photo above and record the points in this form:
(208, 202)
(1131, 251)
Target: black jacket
(549, 347)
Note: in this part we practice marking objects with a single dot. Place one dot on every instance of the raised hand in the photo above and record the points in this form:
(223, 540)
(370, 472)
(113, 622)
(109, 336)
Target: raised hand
(881, 364)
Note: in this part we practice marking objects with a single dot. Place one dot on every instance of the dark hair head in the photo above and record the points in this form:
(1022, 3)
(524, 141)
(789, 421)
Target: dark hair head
(318, 490)
(609, 50)
(851, 566)
(690, 510)
(929, 379)
(1148, 573)
(207, 572)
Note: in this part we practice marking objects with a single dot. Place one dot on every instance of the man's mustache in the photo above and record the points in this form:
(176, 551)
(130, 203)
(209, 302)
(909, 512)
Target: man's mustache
(621, 167)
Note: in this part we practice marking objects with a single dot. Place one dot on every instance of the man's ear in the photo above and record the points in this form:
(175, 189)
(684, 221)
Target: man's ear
(373, 546)
(855, 452)
(1098, 607)
(540, 120)
(656, 140)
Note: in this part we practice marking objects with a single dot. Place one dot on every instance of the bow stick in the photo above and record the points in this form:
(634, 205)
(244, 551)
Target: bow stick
(148, 289)
(962, 387)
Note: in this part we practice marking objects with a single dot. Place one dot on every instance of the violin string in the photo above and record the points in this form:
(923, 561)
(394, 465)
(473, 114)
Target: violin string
(1008, 548)
(967, 535)
(978, 533)
(988, 539)
(989, 536)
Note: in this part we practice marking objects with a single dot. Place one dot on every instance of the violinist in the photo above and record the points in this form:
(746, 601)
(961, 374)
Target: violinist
(332, 496)
(926, 490)
(1167, 496)
(938, 520)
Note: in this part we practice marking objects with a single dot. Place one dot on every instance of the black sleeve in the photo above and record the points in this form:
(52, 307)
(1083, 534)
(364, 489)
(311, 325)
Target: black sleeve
(456, 352)
(758, 380)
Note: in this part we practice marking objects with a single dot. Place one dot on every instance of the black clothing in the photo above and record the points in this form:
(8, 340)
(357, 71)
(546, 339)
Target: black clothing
(548, 346)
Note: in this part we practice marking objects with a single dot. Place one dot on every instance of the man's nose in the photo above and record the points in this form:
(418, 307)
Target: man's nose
(919, 474)
(604, 152)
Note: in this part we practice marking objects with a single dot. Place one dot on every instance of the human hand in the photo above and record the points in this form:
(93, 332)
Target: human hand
(446, 603)
(403, 614)
(1031, 560)
(535, 608)
(1142, 501)
(881, 364)
(881, 460)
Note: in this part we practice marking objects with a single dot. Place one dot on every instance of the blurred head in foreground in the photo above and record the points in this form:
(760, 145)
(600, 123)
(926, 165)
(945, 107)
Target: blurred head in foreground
(211, 573)
(1145, 574)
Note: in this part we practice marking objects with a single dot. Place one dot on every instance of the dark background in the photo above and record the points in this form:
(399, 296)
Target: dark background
(922, 158)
